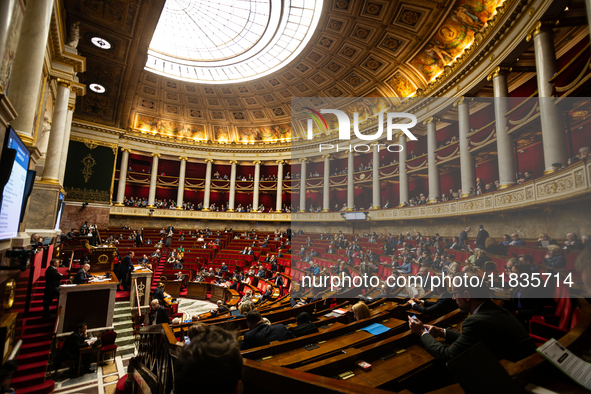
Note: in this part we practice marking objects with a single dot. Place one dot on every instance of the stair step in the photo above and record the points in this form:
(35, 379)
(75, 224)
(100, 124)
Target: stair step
(28, 380)
(31, 368)
(43, 388)
(124, 350)
(33, 357)
(33, 347)
(34, 337)
(38, 328)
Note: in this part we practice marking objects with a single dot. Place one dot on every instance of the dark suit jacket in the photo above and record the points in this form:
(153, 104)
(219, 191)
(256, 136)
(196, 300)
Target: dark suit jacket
(81, 277)
(126, 266)
(161, 315)
(481, 238)
(442, 306)
(503, 334)
(303, 329)
(73, 344)
(463, 239)
(264, 334)
(52, 279)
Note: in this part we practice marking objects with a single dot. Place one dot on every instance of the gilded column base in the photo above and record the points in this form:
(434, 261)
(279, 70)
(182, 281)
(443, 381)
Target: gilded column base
(326, 210)
(150, 206)
(254, 210)
(431, 201)
(179, 208)
(27, 139)
(205, 209)
(376, 207)
(349, 209)
(400, 205)
(302, 210)
(229, 210)
(50, 181)
(278, 211)
(119, 204)
(549, 171)
(465, 195)
(504, 186)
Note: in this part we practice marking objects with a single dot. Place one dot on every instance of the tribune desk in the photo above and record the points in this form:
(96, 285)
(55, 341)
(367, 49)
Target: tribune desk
(144, 284)
(92, 303)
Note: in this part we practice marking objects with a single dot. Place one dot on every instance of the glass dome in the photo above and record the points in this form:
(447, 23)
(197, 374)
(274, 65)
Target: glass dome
(228, 41)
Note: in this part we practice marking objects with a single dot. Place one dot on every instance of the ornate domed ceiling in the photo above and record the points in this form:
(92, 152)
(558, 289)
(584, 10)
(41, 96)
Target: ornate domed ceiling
(373, 48)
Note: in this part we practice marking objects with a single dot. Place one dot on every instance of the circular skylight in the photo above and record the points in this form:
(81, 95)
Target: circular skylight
(228, 41)
(101, 43)
(95, 87)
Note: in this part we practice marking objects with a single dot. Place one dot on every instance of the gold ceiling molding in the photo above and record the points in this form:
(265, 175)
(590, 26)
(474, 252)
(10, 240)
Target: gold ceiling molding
(91, 144)
(57, 37)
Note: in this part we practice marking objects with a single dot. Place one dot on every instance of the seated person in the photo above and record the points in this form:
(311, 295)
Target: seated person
(157, 314)
(444, 304)
(268, 292)
(221, 309)
(260, 334)
(159, 293)
(500, 332)
(71, 349)
(82, 276)
(177, 265)
(554, 258)
(304, 327)
(360, 311)
(212, 361)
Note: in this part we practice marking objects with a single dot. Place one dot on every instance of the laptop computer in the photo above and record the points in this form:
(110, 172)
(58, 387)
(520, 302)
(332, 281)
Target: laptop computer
(234, 312)
(477, 370)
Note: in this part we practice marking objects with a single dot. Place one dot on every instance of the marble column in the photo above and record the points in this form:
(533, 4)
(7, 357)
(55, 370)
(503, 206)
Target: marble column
(51, 171)
(326, 184)
(122, 176)
(6, 14)
(350, 182)
(232, 196)
(303, 176)
(66, 144)
(207, 192)
(257, 180)
(402, 175)
(153, 179)
(433, 171)
(553, 135)
(505, 151)
(376, 204)
(181, 190)
(279, 202)
(466, 160)
(27, 68)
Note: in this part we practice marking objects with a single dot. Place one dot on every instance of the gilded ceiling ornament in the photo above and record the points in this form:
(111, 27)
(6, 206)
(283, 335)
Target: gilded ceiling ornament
(90, 144)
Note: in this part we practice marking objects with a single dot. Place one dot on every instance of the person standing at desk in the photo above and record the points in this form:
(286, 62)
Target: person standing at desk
(125, 268)
(82, 276)
(52, 285)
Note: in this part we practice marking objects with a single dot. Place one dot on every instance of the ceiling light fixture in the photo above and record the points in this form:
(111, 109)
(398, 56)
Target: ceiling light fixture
(97, 88)
(100, 43)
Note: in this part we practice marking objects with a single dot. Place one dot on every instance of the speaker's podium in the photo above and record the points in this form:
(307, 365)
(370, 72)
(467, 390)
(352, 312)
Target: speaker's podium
(92, 303)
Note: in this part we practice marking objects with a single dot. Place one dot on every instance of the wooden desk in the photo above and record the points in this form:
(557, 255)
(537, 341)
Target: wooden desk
(172, 287)
(144, 283)
(88, 350)
(197, 290)
(92, 303)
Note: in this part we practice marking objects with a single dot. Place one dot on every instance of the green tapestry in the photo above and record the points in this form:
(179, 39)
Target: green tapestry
(89, 172)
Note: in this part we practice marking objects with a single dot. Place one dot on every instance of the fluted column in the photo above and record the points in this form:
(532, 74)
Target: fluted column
(66, 143)
(56, 137)
(466, 160)
(232, 186)
(279, 185)
(303, 175)
(153, 179)
(27, 69)
(207, 192)
(326, 185)
(505, 151)
(181, 190)
(257, 180)
(376, 204)
(434, 183)
(122, 176)
(350, 183)
(402, 175)
(553, 136)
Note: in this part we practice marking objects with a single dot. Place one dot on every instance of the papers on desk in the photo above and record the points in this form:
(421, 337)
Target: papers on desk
(90, 341)
(573, 366)
(98, 280)
(70, 285)
(340, 311)
(376, 329)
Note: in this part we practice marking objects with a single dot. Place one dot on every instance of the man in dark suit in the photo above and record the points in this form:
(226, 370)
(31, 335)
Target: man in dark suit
(82, 276)
(124, 271)
(72, 346)
(221, 309)
(138, 239)
(464, 238)
(304, 327)
(444, 305)
(502, 333)
(481, 237)
(261, 334)
(158, 314)
(52, 285)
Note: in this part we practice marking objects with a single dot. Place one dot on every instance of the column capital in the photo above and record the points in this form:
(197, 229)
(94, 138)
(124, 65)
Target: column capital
(539, 27)
(185, 158)
(209, 160)
(128, 150)
(257, 162)
(374, 143)
(64, 82)
(304, 159)
(399, 134)
(500, 70)
(71, 107)
(431, 119)
(280, 162)
(326, 156)
(156, 154)
(233, 162)
(461, 101)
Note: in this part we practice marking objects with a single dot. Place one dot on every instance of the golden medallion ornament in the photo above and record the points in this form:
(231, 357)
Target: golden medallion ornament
(103, 259)
(9, 293)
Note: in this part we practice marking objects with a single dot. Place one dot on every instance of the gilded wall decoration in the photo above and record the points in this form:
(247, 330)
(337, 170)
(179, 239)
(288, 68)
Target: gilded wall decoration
(401, 85)
(88, 162)
(555, 187)
(264, 133)
(221, 134)
(169, 128)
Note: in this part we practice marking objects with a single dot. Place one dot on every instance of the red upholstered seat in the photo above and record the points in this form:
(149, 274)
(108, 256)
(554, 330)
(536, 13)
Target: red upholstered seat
(108, 348)
(108, 344)
(120, 388)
